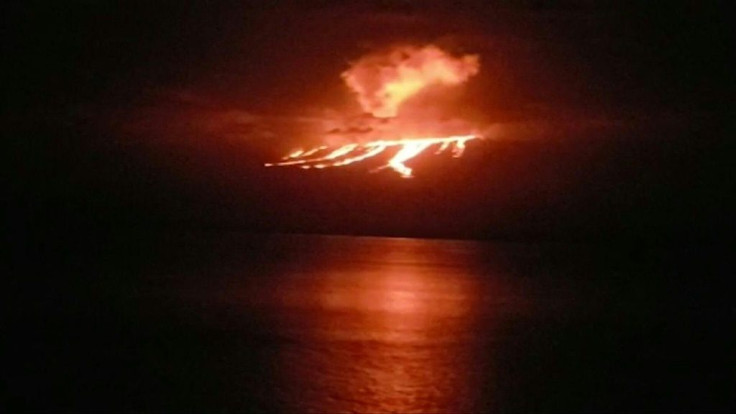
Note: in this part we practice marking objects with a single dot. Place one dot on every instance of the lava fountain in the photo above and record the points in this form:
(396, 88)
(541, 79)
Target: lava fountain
(381, 83)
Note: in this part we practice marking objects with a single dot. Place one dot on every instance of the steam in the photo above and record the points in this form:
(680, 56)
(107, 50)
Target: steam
(382, 81)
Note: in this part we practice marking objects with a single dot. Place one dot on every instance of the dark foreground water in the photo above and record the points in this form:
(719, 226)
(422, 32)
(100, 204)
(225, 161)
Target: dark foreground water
(235, 323)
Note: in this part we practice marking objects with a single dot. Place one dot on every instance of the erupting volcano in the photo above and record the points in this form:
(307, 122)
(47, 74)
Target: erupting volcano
(382, 82)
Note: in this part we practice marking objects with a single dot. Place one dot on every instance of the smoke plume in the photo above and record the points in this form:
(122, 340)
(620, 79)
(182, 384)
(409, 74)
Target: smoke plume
(382, 81)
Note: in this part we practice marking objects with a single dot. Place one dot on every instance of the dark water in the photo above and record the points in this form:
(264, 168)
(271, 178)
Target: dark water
(227, 322)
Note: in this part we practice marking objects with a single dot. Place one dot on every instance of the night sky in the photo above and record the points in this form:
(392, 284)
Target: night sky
(611, 120)
(144, 273)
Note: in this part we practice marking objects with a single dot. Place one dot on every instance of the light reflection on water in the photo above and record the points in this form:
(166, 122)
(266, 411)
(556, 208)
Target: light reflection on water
(375, 325)
(227, 322)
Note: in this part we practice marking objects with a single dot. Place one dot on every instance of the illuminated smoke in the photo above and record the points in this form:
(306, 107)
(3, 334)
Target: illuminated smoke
(382, 81)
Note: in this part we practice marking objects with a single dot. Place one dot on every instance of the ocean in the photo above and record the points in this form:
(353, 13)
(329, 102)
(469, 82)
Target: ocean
(230, 322)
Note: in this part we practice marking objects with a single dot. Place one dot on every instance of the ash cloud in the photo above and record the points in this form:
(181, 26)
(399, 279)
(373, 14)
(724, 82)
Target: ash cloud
(382, 81)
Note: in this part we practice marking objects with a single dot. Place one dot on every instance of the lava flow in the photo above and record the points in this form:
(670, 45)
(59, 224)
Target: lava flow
(324, 157)
(382, 83)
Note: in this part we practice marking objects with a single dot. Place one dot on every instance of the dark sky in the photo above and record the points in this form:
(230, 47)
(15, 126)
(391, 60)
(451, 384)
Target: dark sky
(611, 118)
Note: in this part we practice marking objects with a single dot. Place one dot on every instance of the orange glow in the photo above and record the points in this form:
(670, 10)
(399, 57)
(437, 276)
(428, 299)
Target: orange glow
(323, 157)
(383, 81)
(397, 332)
(407, 152)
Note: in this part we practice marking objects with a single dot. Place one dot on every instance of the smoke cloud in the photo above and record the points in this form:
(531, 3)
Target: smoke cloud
(382, 81)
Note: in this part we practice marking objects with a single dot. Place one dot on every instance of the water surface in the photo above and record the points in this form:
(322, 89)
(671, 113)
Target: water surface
(230, 322)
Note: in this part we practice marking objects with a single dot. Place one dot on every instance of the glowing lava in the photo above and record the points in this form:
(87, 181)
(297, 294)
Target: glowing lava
(382, 82)
(326, 157)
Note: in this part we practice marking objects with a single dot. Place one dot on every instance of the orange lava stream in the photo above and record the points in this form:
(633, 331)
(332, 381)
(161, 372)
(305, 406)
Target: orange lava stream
(324, 157)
